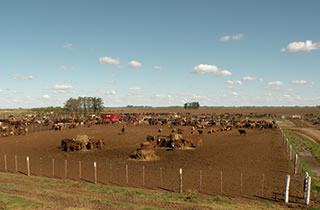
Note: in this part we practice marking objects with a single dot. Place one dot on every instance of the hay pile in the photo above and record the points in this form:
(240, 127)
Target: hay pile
(145, 153)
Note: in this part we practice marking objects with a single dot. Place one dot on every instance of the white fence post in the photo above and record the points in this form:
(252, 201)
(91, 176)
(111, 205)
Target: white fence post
(28, 166)
(296, 164)
(308, 190)
(286, 192)
(180, 180)
(95, 172)
(305, 184)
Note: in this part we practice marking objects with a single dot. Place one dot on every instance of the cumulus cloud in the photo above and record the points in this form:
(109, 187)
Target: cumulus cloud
(62, 87)
(158, 67)
(301, 46)
(275, 85)
(45, 96)
(67, 45)
(134, 64)
(235, 93)
(236, 82)
(199, 97)
(205, 68)
(65, 68)
(231, 37)
(248, 78)
(108, 60)
(135, 88)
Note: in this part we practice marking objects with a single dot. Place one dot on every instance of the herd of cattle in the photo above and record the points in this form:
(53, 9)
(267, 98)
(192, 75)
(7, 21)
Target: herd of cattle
(21, 125)
(87, 143)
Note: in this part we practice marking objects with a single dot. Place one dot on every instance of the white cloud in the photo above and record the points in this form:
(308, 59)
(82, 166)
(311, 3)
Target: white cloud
(29, 78)
(248, 78)
(46, 96)
(1, 90)
(231, 37)
(67, 45)
(108, 60)
(275, 83)
(224, 73)
(301, 82)
(134, 88)
(236, 82)
(17, 76)
(134, 64)
(65, 68)
(199, 97)
(205, 68)
(112, 92)
(301, 46)
(235, 93)
(62, 87)
(158, 67)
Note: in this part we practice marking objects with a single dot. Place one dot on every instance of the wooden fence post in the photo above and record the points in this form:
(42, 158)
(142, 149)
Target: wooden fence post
(262, 186)
(16, 162)
(65, 168)
(127, 174)
(221, 181)
(161, 181)
(40, 166)
(308, 190)
(5, 162)
(110, 172)
(52, 167)
(80, 175)
(28, 166)
(241, 184)
(143, 176)
(200, 187)
(290, 152)
(180, 180)
(95, 172)
(286, 192)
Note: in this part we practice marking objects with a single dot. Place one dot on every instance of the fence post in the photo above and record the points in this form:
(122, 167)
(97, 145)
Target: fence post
(290, 152)
(286, 192)
(16, 162)
(80, 169)
(221, 181)
(65, 168)
(110, 173)
(180, 180)
(296, 164)
(5, 162)
(308, 190)
(143, 176)
(200, 187)
(262, 184)
(161, 182)
(40, 166)
(52, 167)
(241, 184)
(305, 184)
(127, 174)
(28, 166)
(95, 172)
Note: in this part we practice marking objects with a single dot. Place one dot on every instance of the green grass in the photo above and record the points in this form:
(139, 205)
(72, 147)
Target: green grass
(300, 146)
(8, 201)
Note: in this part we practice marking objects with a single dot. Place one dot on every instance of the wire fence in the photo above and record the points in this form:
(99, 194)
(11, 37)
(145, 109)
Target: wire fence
(207, 181)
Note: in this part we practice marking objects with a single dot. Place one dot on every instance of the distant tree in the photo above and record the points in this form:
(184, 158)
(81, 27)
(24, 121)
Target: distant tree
(192, 105)
(84, 105)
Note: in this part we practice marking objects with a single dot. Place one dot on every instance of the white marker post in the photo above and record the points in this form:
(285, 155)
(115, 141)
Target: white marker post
(180, 180)
(308, 190)
(286, 192)
(296, 164)
(28, 167)
(95, 172)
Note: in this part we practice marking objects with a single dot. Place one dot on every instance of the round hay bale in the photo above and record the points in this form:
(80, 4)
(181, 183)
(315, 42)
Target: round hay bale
(145, 155)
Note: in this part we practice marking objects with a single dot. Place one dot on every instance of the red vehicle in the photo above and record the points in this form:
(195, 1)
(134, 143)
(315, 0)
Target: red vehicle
(111, 117)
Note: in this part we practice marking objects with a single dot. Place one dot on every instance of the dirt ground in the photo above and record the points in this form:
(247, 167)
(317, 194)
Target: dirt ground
(256, 161)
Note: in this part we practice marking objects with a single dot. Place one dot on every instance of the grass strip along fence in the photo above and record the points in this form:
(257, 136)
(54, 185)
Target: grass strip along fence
(298, 144)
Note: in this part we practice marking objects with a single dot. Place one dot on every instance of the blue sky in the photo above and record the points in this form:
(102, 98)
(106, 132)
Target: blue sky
(160, 53)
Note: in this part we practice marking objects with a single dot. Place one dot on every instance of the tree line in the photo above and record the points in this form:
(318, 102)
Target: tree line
(84, 105)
